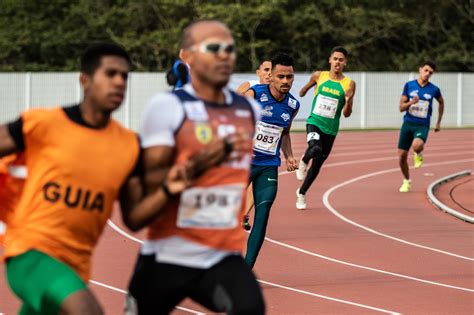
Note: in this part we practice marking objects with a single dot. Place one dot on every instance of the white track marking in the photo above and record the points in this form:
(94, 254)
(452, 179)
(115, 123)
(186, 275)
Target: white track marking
(379, 160)
(333, 260)
(122, 232)
(328, 297)
(341, 148)
(365, 267)
(392, 152)
(340, 216)
(100, 284)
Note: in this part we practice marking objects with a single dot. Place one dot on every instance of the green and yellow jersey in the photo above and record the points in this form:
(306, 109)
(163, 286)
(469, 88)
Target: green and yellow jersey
(329, 100)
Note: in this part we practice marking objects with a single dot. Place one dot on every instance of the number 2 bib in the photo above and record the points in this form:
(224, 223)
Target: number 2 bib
(266, 138)
(325, 106)
(215, 207)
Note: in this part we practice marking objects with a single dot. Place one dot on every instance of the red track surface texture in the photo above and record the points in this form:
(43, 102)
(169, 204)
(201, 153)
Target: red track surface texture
(361, 247)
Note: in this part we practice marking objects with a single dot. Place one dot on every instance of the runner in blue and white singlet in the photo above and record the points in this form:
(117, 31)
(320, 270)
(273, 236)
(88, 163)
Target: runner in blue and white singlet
(278, 108)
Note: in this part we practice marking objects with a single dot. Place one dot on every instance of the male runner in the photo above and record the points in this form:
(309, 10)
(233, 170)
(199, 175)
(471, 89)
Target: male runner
(417, 103)
(278, 109)
(334, 94)
(77, 165)
(263, 74)
(71, 186)
(194, 247)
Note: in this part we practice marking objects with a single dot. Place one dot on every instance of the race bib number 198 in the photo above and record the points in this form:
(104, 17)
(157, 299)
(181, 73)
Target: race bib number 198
(215, 207)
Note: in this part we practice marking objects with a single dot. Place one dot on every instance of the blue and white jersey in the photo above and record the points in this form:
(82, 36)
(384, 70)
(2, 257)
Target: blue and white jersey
(274, 118)
(420, 112)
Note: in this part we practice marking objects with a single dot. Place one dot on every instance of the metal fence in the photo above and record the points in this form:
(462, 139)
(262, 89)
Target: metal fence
(375, 103)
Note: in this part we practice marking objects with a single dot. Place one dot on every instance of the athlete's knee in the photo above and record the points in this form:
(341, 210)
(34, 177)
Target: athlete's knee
(418, 147)
(314, 149)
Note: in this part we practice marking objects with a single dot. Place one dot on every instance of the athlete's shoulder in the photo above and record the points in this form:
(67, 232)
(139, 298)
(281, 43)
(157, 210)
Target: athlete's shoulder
(162, 117)
(161, 101)
(433, 86)
(293, 102)
(347, 78)
(41, 118)
(124, 131)
(260, 87)
(253, 83)
(412, 83)
(165, 104)
(320, 76)
(347, 83)
(322, 73)
(42, 113)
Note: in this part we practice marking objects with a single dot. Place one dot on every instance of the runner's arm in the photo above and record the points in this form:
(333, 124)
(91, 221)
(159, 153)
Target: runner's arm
(11, 138)
(405, 103)
(250, 93)
(144, 197)
(291, 162)
(312, 82)
(243, 88)
(440, 113)
(347, 111)
(141, 197)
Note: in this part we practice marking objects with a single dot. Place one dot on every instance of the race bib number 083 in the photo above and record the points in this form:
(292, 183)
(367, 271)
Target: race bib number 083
(266, 138)
(215, 207)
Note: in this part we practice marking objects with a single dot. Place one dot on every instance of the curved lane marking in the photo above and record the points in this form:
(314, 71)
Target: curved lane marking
(342, 217)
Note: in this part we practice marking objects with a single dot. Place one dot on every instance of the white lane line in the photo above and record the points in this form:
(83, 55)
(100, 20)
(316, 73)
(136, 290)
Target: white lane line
(337, 261)
(122, 232)
(365, 267)
(391, 151)
(351, 148)
(340, 216)
(100, 284)
(328, 297)
(380, 160)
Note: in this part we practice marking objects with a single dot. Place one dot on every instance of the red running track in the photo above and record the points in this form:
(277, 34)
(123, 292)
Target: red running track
(361, 247)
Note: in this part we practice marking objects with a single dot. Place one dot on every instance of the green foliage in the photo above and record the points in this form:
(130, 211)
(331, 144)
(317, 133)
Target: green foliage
(380, 35)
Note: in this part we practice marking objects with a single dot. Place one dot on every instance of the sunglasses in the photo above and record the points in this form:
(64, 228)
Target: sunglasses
(214, 48)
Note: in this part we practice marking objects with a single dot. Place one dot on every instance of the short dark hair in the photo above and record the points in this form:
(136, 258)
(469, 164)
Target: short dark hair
(340, 49)
(261, 62)
(282, 59)
(430, 63)
(92, 56)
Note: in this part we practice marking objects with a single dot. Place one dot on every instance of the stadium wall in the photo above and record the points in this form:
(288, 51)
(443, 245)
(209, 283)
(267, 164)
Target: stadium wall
(375, 103)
